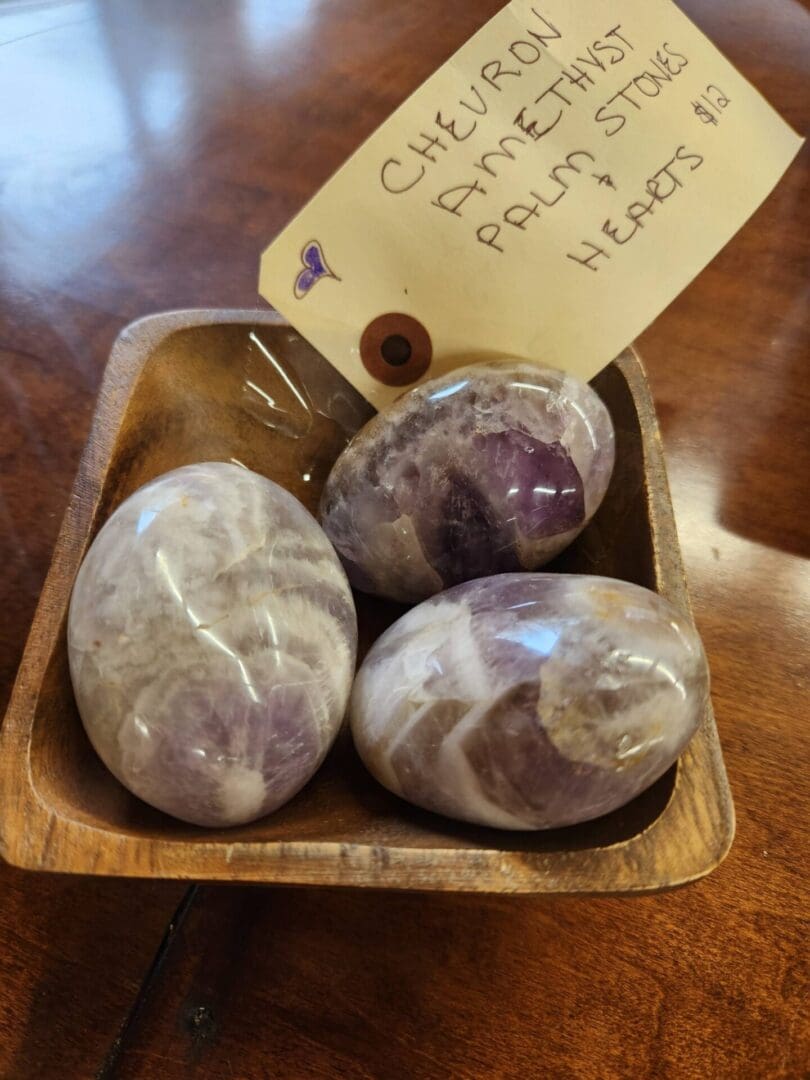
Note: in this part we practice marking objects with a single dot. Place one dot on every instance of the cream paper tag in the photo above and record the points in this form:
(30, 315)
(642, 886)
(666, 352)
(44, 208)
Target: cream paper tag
(544, 195)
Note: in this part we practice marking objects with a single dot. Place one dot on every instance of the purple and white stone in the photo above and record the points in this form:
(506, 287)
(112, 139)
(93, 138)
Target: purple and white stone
(491, 468)
(530, 701)
(212, 640)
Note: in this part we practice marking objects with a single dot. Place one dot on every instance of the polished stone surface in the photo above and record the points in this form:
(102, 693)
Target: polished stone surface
(212, 639)
(491, 468)
(529, 701)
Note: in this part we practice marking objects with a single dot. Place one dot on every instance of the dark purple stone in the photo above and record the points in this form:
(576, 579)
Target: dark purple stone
(491, 468)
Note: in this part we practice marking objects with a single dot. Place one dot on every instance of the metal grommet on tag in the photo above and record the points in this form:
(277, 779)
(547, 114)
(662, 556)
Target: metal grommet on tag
(396, 349)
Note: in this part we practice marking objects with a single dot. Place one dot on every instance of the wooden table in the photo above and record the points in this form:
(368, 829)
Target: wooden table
(148, 150)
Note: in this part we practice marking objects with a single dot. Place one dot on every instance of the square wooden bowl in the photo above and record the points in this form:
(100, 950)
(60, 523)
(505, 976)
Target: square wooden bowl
(242, 386)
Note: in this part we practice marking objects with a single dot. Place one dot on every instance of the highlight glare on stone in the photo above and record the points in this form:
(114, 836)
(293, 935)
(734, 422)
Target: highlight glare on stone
(491, 468)
(530, 701)
(212, 639)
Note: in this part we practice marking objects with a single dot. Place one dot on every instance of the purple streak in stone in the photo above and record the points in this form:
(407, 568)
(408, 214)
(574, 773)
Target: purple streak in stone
(530, 701)
(492, 468)
(212, 639)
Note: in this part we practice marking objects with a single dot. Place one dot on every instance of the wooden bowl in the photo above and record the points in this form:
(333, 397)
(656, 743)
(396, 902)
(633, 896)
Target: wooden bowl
(231, 385)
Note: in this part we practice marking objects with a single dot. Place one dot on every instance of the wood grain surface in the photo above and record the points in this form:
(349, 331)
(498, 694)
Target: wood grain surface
(148, 150)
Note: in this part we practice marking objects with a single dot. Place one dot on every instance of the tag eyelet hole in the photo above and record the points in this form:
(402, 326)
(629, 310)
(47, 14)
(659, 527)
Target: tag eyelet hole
(396, 350)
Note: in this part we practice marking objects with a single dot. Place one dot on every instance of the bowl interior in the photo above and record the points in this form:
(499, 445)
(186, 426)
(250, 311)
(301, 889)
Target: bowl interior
(260, 396)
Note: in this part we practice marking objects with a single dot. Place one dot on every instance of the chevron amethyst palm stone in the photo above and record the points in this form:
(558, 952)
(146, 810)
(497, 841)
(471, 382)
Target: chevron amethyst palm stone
(530, 701)
(491, 468)
(212, 638)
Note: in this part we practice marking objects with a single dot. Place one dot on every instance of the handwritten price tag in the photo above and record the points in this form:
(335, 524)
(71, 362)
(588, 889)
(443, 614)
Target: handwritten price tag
(544, 195)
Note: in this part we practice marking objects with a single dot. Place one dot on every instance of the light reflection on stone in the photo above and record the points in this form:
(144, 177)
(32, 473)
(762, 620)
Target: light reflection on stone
(212, 639)
(492, 468)
(530, 701)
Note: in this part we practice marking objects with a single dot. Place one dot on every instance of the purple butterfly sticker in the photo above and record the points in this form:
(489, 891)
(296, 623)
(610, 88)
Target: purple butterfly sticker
(315, 268)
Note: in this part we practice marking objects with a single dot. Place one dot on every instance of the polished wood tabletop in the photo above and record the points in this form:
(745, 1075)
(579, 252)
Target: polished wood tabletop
(149, 149)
